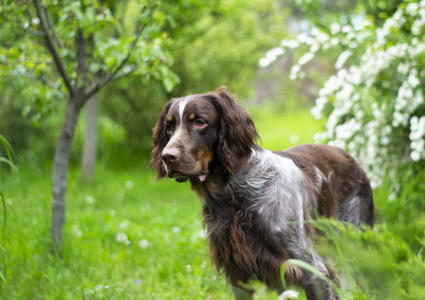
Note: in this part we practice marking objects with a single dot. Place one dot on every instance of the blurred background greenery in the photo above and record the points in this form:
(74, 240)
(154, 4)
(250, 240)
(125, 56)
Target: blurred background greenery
(129, 237)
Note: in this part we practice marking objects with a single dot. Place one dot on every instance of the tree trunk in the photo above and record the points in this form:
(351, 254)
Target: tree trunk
(60, 169)
(90, 142)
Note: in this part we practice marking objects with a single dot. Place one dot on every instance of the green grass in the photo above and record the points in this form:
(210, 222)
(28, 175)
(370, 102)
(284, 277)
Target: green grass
(279, 131)
(166, 257)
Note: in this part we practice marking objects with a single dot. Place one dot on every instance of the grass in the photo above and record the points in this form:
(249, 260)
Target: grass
(166, 256)
(126, 237)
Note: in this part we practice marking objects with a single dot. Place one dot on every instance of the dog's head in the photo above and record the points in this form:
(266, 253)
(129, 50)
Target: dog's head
(194, 131)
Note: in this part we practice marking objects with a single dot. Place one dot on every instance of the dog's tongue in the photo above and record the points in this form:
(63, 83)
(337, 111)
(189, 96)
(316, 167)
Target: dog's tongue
(202, 177)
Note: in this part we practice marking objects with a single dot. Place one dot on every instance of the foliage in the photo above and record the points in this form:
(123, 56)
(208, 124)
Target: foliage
(89, 39)
(375, 107)
(96, 43)
(220, 46)
(384, 266)
(8, 160)
(227, 46)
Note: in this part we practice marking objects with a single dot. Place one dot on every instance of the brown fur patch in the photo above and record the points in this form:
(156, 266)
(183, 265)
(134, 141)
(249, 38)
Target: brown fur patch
(205, 156)
(293, 274)
(170, 118)
(192, 116)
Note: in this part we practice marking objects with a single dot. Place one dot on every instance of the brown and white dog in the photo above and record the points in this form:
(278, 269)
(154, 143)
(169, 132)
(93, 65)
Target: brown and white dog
(255, 201)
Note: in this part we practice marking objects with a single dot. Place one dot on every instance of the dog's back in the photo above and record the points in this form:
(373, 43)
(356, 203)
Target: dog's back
(343, 189)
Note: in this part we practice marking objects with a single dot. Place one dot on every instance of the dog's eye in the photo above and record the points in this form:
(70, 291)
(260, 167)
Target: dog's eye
(199, 124)
(168, 128)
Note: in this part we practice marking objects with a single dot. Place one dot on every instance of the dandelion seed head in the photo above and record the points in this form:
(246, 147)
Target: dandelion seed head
(143, 243)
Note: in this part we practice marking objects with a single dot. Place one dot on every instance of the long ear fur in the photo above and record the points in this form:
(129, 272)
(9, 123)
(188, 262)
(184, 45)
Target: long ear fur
(237, 133)
(160, 140)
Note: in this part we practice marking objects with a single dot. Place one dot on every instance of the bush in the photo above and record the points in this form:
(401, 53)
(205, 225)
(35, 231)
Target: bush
(374, 104)
(373, 263)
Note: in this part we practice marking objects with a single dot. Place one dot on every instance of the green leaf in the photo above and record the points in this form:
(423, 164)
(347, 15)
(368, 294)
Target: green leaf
(94, 67)
(14, 53)
(311, 269)
(26, 110)
(168, 84)
(9, 163)
(6, 146)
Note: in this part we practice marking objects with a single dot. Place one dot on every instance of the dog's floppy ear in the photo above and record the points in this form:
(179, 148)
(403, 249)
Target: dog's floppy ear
(237, 134)
(160, 140)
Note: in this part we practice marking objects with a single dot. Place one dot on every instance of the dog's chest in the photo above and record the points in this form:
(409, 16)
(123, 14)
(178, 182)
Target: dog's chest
(242, 246)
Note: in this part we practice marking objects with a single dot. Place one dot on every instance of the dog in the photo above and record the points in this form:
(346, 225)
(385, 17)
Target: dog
(255, 202)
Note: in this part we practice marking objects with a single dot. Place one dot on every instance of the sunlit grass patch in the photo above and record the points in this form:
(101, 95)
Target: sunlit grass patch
(282, 130)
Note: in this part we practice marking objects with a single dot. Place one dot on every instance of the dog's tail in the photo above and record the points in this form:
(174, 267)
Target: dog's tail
(358, 208)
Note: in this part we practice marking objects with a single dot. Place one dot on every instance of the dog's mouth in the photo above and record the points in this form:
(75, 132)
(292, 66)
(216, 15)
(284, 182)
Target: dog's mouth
(182, 177)
(179, 176)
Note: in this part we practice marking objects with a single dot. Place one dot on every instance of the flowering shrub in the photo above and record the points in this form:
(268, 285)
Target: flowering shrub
(375, 102)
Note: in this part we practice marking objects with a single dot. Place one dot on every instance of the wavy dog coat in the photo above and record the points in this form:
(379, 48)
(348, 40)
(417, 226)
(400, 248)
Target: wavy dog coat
(255, 201)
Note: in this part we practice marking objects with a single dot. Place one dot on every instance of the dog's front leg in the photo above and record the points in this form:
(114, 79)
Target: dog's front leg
(299, 246)
(242, 293)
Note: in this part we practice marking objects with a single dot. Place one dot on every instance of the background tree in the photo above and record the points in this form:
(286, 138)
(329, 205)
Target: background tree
(78, 41)
(213, 44)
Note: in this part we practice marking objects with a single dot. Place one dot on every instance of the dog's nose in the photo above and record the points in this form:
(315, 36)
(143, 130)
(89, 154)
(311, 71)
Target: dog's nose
(170, 155)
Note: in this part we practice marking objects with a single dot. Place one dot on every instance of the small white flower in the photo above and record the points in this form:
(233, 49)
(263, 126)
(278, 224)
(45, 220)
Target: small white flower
(412, 8)
(346, 28)
(294, 139)
(124, 224)
(129, 184)
(121, 237)
(188, 268)
(306, 58)
(76, 231)
(314, 48)
(415, 156)
(342, 59)
(202, 234)
(289, 294)
(392, 197)
(143, 244)
(292, 44)
(176, 229)
(112, 213)
(264, 62)
(89, 200)
(335, 28)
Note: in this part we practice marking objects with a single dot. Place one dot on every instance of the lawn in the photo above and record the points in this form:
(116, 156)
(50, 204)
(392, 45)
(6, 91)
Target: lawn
(126, 236)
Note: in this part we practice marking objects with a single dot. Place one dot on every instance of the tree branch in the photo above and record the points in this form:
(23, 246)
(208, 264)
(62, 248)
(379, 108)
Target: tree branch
(42, 78)
(52, 28)
(81, 56)
(23, 27)
(51, 47)
(33, 31)
(118, 77)
(114, 75)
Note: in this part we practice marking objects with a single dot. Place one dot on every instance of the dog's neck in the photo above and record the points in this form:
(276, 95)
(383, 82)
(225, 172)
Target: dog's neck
(218, 189)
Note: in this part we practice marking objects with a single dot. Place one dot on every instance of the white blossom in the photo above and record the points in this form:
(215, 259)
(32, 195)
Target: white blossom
(379, 98)
(143, 244)
(289, 294)
(122, 237)
(176, 229)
